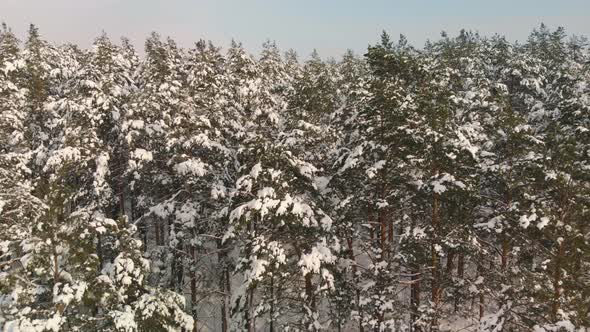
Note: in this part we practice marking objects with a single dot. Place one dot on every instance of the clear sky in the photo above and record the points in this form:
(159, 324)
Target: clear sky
(330, 26)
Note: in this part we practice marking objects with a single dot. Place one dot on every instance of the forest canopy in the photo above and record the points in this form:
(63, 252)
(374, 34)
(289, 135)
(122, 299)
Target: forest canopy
(441, 188)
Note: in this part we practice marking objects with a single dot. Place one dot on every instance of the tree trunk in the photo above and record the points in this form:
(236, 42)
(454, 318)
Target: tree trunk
(309, 290)
(450, 258)
(370, 221)
(390, 230)
(383, 229)
(251, 320)
(481, 296)
(460, 273)
(415, 297)
(557, 277)
(505, 251)
(157, 232)
(193, 288)
(122, 186)
(505, 240)
(272, 305)
(223, 284)
(436, 290)
(355, 278)
(557, 281)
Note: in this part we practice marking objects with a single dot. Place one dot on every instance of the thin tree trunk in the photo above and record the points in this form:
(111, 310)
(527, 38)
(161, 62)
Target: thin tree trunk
(163, 234)
(272, 305)
(557, 276)
(481, 295)
(383, 229)
(383, 216)
(355, 278)
(557, 281)
(251, 321)
(414, 290)
(223, 284)
(178, 270)
(193, 288)
(415, 296)
(460, 273)
(481, 305)
(157, 231)
(436, 291)
(370, 221)
(122, 186)
(505, 240)
(99, 252)
(225, 307)
(309, 290)
(390, 237)
(505, 251)
(450, 258)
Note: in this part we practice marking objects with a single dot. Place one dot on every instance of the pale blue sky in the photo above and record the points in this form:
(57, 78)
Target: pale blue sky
(330, 26)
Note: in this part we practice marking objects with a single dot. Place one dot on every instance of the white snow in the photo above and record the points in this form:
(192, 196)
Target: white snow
(193, 167)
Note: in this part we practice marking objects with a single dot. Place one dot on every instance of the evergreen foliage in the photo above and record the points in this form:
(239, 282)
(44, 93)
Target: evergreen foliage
(436, 189)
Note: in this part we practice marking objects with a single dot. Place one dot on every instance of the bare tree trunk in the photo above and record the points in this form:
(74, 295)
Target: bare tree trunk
(99, 252)
(436, 290)
(309, 290)
(122, 186)
(370, 221)
(460, 273)
(505, 251)
(481, 295)
(557, 276)
(272, 305)
(223, 284)
(163, 235)
(251, 321)
(505, 239)
(415, 296)
(383, 229)
(225, 324)
(355, 278)
(157, 231)
(414, 290)
(193, 288)
(450, 258)
(390, 237)
(557, 281)
(382, 216)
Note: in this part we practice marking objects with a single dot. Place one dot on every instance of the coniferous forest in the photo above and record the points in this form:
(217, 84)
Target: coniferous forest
(439, 188)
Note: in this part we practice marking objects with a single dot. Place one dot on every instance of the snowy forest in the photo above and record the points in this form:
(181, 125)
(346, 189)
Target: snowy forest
(436, 188)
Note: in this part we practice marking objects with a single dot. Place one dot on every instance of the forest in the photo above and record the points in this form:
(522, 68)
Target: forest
(439, 188)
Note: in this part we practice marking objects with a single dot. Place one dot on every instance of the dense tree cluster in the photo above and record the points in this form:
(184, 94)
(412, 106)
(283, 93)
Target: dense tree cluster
(437, 189)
